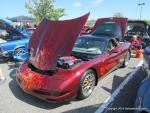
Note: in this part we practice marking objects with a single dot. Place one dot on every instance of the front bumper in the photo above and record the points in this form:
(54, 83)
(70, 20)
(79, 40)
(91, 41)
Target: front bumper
(44, 87)
(45, 94)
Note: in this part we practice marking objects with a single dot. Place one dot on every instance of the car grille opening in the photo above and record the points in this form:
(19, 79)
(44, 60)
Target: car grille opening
(45, 72)
(42, 92)
(49, 93)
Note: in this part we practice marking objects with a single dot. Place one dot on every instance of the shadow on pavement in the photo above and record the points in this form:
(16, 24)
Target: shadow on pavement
(21, 95)
(6, 60)
(86, 109)
(117, 80)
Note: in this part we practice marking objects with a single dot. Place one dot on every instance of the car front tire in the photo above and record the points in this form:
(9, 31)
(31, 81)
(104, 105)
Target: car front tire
(87, 84)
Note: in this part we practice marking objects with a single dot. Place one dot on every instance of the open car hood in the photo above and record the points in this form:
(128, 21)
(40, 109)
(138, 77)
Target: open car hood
(138, 21)
(10, 29)
(139, 26)
(54, 39)
(121, 21)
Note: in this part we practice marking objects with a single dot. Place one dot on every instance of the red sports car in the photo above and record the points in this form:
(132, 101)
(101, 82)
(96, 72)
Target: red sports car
(62, 65)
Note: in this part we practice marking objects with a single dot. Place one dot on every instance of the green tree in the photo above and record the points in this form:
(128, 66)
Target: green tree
(148, 21)
(118, 14)
(44, 9)
(90, 22)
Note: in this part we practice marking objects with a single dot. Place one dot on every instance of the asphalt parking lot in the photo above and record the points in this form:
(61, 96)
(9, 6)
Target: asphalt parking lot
(14, 100)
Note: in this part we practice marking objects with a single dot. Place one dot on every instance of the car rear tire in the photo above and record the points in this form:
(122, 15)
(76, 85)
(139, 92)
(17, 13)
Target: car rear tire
(87, 84)
(19, 51)
(126, 59)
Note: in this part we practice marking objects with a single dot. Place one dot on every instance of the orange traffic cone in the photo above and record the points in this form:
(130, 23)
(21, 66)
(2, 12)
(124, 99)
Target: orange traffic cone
(139, 53)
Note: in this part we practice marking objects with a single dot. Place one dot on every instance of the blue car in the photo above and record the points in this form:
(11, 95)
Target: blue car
(143, 96)
(13, 44)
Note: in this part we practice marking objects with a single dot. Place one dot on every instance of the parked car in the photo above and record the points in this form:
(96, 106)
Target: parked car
(88, 58)
(139, 28)
(13, 42)
(11, 48)
(24, 54)
(143, 95)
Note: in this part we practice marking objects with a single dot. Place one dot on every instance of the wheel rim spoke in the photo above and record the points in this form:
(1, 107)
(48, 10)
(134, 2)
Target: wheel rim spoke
(88, 84)
(20, 51)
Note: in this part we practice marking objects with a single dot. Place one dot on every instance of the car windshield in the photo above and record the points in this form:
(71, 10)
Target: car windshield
(28, 32)
(136, 29)
(90, 45)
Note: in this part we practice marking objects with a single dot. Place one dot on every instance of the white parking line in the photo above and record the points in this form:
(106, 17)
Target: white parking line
(2, 78)
(110, 99)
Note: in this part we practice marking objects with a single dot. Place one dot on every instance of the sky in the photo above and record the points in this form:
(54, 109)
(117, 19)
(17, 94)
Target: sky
(76, 8)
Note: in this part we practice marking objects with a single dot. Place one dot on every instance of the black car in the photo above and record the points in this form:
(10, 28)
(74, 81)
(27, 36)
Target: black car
(139, 28)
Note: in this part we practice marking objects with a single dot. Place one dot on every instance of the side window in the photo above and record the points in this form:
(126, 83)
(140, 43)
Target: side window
(111, 45)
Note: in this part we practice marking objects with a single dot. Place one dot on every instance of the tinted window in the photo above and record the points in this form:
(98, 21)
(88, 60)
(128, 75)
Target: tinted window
(108, 28)
(28, 32)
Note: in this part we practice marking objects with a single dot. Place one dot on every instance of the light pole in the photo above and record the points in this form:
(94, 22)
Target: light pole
(141, 4)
